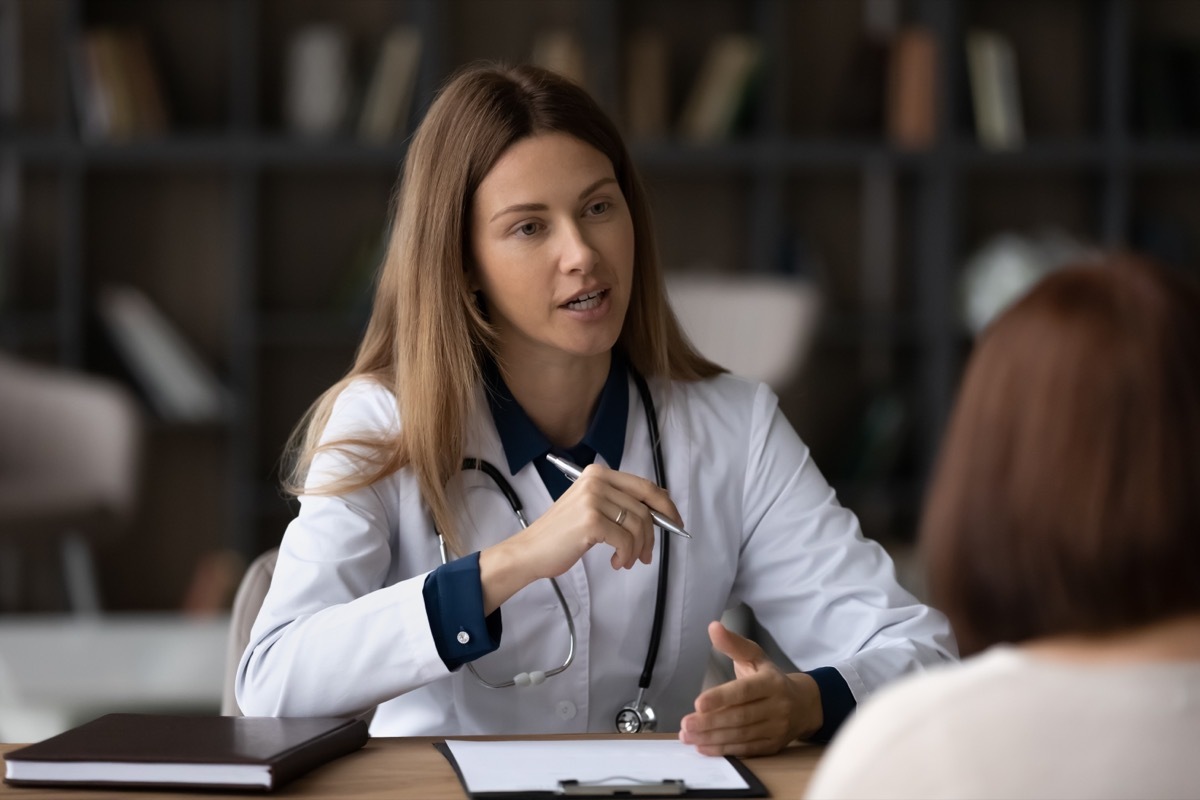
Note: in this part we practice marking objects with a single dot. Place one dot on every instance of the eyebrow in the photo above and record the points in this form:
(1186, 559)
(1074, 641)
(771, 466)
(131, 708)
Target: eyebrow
(542, 206)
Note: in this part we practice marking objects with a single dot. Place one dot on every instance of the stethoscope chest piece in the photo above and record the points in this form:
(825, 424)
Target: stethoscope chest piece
(637, 717)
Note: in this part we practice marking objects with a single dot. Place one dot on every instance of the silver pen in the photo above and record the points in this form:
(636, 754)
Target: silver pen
(573, 472)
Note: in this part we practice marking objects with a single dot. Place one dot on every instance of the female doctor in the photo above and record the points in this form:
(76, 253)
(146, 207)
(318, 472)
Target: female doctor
(520, 313)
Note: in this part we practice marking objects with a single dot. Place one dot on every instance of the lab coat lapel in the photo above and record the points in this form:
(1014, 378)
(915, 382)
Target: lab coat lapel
(677, 447)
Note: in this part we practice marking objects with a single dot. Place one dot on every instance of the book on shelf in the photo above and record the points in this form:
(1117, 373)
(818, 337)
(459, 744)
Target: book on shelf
(647, 78)
(92, 105)
(10, 61)
(721, 88)
(995, 92)
(392, 88)
(861, 100)
(144, 80)
(912, 89)
(317, 84)
(118, 90)
(10, 223)
(192, 752)
(560, 51)
(176, 381)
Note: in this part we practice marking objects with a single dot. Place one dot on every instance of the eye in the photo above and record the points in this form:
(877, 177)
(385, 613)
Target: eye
(527, 229)
(599, 207)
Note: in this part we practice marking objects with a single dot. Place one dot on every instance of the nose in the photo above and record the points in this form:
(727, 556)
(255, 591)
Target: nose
(576, 253)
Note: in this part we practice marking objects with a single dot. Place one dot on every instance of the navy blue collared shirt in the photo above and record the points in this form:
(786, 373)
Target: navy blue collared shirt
(523, 442)
(453, 592)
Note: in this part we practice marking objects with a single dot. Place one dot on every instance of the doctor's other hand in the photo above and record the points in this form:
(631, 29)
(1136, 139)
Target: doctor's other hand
(759, 712)
(605, 506)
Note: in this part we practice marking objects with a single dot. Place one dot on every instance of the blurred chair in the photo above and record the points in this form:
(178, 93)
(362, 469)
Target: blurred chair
(246, 603)
(756, 326)
(70, 456)
(249, 599)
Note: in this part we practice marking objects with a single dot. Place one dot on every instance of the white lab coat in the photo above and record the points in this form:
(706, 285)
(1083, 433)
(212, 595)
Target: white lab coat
(344, 625)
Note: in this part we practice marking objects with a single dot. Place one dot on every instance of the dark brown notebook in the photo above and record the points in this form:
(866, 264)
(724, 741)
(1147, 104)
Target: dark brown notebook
(260, 753)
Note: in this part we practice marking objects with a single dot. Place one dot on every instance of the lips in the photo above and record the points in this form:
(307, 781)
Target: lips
(586, 302)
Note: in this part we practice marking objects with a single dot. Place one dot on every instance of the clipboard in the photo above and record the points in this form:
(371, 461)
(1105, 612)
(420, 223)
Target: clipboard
(615, 786)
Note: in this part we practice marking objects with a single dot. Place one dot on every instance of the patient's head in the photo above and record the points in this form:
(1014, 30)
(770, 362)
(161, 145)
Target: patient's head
(1066, 499)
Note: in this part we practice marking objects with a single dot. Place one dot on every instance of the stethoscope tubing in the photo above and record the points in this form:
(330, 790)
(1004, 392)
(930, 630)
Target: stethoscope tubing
(518, 508)
(664, 550)
(664, 563)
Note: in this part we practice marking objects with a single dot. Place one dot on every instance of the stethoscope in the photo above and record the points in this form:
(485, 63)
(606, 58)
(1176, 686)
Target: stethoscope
(635, 716)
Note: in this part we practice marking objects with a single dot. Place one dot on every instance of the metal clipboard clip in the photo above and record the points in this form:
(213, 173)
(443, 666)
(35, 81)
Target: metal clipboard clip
(621, 786)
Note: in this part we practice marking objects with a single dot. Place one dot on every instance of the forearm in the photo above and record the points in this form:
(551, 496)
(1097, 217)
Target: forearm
(342, 659)
(806, 713)
(502, 573)
(867, 671)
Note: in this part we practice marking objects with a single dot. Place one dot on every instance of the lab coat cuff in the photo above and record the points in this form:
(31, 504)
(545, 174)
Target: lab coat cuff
(454, 604)
(837, 701)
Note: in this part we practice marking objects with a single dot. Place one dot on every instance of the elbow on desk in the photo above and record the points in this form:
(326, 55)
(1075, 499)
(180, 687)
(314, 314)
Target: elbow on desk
(257, 693)
(265, 687)
(272, 690)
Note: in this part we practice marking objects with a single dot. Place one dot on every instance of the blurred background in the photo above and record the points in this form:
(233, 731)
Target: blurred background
(194, 195)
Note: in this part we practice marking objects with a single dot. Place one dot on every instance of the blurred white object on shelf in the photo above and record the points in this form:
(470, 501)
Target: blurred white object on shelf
(1008, 265)
(756, 326)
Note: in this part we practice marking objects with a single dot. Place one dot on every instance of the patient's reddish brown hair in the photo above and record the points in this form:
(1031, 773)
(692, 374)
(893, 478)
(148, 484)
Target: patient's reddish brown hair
(1066, 498)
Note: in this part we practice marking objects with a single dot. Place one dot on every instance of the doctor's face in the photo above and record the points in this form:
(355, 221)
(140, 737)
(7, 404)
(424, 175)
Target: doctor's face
(552, 247)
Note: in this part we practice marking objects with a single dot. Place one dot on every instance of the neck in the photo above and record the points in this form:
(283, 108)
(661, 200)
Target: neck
(1176, 639)
(559, 396)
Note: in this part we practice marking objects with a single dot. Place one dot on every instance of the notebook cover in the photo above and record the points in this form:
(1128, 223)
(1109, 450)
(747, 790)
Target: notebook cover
(290, 747)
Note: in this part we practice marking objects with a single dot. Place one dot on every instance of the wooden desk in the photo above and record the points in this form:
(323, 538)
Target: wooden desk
(396, 769)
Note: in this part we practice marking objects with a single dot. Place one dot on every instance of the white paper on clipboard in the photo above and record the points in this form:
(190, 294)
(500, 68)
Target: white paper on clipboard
(533, 765)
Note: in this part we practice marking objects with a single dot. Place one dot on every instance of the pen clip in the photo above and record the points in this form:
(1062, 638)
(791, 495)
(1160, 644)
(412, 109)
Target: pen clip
(626, 788)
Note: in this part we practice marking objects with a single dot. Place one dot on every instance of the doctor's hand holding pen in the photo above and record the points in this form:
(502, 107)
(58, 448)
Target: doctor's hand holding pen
(603, 506)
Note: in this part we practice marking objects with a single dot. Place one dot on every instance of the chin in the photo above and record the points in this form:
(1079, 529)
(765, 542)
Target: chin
(592, 347)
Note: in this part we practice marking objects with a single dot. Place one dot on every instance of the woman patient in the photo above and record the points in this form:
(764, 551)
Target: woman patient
(1062, 538)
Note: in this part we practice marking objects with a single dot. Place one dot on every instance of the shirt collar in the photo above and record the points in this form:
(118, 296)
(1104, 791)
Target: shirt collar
(523, 442)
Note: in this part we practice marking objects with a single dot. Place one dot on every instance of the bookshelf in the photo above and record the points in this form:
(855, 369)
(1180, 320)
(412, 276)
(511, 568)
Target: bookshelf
(246, 235)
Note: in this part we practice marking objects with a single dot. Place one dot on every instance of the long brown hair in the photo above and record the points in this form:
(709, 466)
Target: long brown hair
(1066, 499)
(427, 336)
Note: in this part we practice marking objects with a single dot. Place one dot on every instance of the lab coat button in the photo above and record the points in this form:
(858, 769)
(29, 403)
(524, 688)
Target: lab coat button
(566, 709)
(463, 637)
